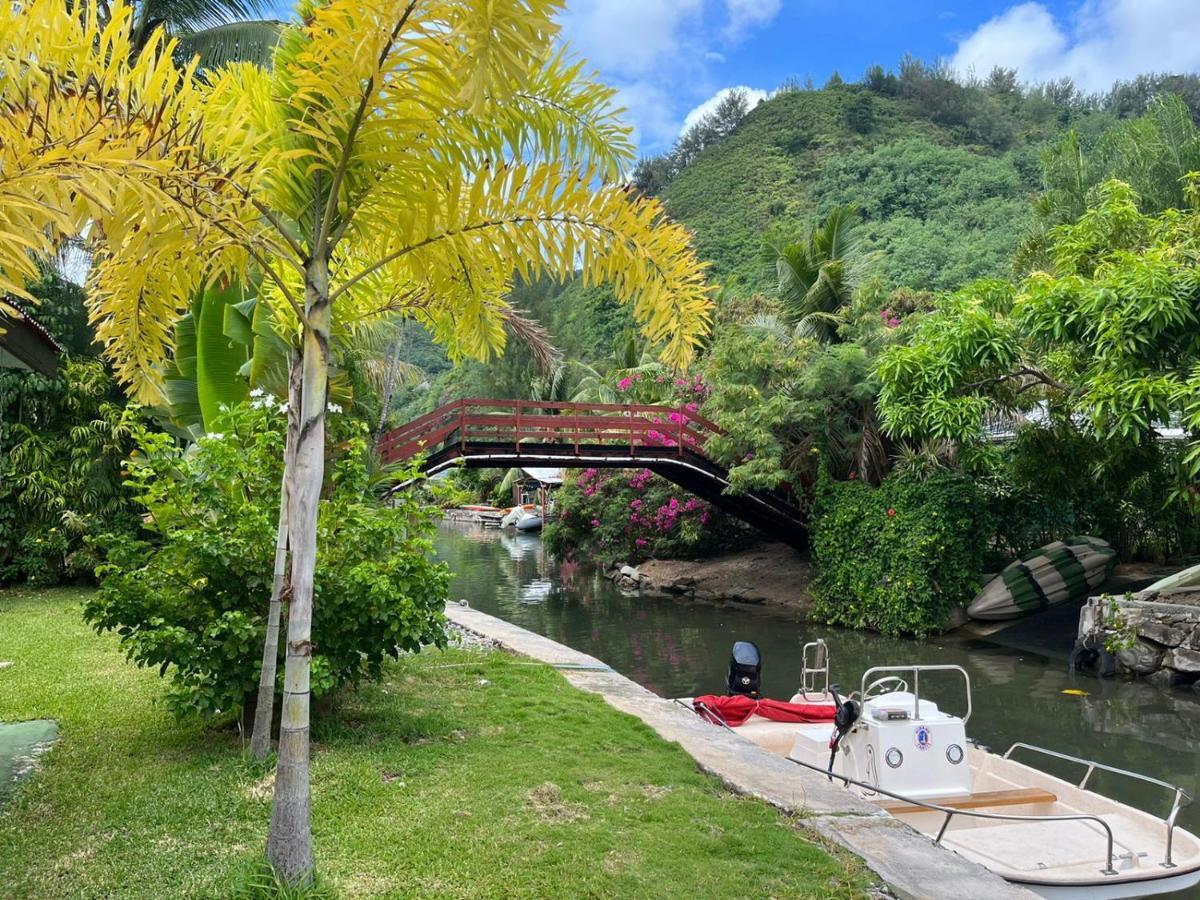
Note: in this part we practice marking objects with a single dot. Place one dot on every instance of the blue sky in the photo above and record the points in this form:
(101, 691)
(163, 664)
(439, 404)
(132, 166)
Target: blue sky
(668, 58)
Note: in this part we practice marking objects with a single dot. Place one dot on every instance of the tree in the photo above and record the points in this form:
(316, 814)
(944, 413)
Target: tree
(401, 156)
(214, 31)
(79, 130)
(817, 274)
(1108, 338)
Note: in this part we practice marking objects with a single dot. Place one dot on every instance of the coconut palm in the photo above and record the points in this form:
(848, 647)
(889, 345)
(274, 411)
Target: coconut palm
(216, 31)
(817, 275)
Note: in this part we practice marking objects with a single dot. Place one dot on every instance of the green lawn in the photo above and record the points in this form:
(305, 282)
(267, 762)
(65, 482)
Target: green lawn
(464, 774)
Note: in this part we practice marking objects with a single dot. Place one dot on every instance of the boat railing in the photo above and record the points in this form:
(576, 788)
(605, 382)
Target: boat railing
(814, 670)
(1180, 799)
(916, 671)
(950, 812)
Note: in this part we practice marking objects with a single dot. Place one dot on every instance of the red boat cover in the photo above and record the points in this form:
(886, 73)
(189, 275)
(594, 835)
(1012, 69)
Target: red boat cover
(736, 709)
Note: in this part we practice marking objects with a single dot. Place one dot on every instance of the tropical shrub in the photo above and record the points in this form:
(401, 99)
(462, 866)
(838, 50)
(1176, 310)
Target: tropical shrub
(62, 441)
(899, 557)
(625, 516)
(191, 599)
(1056, 480)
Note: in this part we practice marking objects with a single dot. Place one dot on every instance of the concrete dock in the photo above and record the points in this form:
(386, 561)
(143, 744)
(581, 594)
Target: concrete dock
(911, 864)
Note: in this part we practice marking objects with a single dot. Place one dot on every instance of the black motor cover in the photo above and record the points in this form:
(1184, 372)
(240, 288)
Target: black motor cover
(745, 669)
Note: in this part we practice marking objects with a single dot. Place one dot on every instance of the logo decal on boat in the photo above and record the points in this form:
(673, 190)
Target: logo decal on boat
(924, 737)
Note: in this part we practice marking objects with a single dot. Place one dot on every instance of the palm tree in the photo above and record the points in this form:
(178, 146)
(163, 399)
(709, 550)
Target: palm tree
(218, 31)
(630, 355)
(818, 274)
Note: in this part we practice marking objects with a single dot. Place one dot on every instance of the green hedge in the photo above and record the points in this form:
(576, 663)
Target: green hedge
(897, 558)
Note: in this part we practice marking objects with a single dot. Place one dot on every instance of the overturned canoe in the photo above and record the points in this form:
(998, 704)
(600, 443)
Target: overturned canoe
(1062, 570)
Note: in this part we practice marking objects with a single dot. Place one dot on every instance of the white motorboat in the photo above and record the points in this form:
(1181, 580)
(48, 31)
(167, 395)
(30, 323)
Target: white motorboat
(523, 518)
(914, 760)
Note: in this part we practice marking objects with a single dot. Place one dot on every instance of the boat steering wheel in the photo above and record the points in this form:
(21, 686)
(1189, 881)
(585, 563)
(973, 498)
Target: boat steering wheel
(892, 682)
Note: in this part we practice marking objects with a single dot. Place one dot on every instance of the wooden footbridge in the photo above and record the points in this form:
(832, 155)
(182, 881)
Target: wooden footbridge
(667, 440)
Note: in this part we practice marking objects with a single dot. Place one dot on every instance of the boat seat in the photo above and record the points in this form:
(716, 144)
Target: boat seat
(980, 800)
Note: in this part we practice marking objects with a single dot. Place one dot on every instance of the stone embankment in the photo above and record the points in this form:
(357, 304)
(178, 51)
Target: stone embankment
(770, 575)
(911, 864)
(1153, 635)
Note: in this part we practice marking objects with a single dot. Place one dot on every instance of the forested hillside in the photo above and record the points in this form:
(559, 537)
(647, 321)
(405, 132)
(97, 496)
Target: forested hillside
(943, 175)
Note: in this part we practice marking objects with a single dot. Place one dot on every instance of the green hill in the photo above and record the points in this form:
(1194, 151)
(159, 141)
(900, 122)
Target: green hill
(941, 206)
(942, 172)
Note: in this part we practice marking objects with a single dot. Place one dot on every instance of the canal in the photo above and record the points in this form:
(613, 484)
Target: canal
(677, 648)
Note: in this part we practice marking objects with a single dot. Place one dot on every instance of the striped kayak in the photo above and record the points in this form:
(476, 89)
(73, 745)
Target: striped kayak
(1063, 570)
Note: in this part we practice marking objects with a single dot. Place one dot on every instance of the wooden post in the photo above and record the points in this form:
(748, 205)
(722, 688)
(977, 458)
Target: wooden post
(682, 419)
(462, 425)
(517, 434)
(576, 429)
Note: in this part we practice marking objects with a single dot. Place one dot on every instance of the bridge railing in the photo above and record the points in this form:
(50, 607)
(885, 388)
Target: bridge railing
(566, 424)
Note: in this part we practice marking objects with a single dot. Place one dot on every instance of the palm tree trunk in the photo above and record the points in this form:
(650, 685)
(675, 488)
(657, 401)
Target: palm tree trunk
(264, 710)
(289, 845)
(389, 387)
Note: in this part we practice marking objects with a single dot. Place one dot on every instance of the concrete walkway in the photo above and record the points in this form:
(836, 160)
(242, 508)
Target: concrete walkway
(911, 864)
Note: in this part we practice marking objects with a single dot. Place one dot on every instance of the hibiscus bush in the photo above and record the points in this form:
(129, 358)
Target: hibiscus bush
(191, 599)
(626, 515)
(899, 557)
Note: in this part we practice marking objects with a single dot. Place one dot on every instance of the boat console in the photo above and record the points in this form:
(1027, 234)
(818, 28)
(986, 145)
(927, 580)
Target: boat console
(905, 744)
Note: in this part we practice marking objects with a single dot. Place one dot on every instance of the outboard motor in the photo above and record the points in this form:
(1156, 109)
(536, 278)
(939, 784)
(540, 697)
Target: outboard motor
(847, 714)
(745, 669)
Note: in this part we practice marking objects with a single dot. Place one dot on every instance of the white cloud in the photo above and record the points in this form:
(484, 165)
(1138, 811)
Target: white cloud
(1104, 40)
(745, 15)
(629, 37)
(754, 95)
(659, 54)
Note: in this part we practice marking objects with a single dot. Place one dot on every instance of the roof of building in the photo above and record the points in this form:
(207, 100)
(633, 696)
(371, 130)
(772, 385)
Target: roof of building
(25, 343)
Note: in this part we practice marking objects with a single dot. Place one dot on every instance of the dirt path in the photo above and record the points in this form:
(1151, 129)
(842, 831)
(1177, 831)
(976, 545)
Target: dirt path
(772, 575)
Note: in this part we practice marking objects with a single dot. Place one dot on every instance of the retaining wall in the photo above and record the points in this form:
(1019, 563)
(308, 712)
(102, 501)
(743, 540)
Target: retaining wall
(1152, 635)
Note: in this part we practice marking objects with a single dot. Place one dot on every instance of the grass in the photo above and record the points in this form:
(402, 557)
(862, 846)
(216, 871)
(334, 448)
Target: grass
(462, 774)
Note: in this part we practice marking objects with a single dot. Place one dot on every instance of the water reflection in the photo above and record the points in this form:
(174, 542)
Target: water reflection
(677, 648)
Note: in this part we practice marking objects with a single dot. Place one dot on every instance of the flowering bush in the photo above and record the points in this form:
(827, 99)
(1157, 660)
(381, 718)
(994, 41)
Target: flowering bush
(899, 557)
(628, 515)
(192, 599)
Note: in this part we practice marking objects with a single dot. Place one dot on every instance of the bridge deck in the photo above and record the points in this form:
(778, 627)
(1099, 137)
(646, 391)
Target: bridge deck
(668, 441)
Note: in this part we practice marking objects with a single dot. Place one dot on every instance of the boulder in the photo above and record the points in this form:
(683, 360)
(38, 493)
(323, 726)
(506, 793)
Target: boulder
(1142, 658)
(1161, 633)
(958, 618)
(1181, 659)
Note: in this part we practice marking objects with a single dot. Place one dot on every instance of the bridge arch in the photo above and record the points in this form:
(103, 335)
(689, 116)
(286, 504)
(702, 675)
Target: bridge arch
(666, 440)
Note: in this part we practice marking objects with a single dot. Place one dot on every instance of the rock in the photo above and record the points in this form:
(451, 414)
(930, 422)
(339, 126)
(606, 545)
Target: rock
(745, 595)
(1142, 658)
(682, 584)
(1161, 633)
(630, 572)
(1163, 678)
(1182, 659)
(958, 618)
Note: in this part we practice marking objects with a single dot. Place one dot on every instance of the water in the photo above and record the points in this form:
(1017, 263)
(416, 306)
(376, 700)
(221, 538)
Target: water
(678, 649)
(21, 743)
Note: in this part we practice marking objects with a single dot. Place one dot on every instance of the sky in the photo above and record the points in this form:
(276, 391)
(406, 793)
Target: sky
(670, 59)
